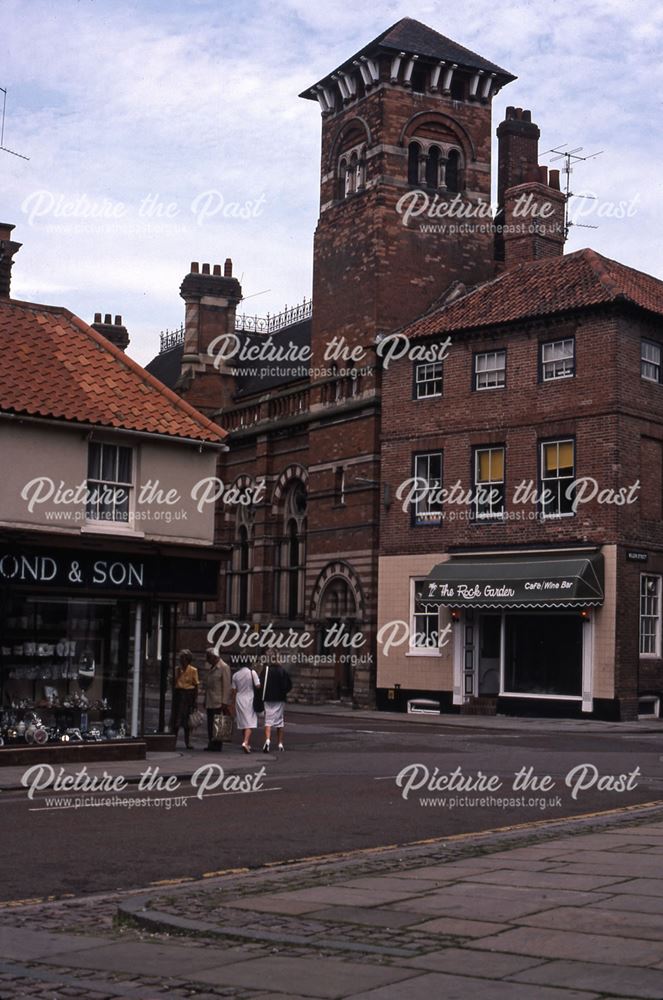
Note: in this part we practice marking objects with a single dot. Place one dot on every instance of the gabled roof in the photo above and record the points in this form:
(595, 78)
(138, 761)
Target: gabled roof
(415, 38)
(56, 366)
(542, 288)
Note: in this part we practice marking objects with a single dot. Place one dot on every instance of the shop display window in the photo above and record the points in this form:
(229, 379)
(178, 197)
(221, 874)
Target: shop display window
(63, 669)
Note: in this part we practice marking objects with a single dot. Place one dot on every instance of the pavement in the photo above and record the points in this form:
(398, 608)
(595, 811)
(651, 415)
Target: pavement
(573, 911)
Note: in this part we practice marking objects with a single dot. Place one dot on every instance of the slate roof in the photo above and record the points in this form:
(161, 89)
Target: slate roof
(251, 377)
(415, 38)
(56, 366)
(541, 288)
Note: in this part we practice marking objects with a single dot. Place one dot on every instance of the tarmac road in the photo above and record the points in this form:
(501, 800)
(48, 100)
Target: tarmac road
(333, 790)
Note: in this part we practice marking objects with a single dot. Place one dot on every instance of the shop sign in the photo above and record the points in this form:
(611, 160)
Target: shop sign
(511, 590)
(107, 572)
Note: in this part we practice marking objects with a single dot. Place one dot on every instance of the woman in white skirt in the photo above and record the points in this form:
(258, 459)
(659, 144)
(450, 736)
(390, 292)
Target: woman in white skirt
(244, 682)
(275, 684)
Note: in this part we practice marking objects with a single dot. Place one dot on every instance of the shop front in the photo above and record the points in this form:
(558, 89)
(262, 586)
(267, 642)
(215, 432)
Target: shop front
(87, 639)
(524, 627)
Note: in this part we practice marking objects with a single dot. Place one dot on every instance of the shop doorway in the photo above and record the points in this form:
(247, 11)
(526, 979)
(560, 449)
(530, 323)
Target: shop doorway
(490, 645)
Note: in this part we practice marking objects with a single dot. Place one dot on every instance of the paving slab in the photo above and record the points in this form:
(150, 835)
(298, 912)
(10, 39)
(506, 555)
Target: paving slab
(392, 883)
(457, 961)
(332, 894)
(476, 901)
(544, 880)
(621, 981)
(275, 902)
(375, 917)
(586, 919)
(636, 886)
(434, 985)
(571, 945)
(152, 958)
(23, 944)
(621, 863)
(459, 927)
(637, 904)
(313, 977)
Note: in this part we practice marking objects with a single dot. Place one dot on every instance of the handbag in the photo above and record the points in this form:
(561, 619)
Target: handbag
(259, 696)
(196, 719)
(223, 728)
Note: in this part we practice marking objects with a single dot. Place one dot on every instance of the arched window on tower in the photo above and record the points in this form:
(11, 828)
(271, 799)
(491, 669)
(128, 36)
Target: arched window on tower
(433, 167)
(343, 179)
(452, 172)
(413, 154)
(360, 171)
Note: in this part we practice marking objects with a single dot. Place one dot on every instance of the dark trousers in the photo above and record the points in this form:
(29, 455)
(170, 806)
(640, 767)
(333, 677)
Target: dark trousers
(211, 715)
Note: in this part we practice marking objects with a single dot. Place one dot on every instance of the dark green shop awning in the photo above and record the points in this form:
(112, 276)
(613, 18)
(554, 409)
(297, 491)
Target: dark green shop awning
(522, 582)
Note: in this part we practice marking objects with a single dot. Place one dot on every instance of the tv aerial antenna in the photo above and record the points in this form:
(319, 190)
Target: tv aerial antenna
(571, 157)
(3, 148)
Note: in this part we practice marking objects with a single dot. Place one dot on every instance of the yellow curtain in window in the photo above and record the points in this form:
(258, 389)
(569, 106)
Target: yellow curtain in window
(491, 465)
(554, 463)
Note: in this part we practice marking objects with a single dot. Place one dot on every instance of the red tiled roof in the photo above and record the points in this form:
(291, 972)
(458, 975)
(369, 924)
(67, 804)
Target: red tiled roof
(543, 287)
(55, 365)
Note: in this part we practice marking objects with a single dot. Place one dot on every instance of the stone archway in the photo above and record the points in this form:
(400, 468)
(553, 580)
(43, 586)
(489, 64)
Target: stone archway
(338, 610)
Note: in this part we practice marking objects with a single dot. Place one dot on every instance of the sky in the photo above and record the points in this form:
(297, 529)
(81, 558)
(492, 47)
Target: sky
(165, 131)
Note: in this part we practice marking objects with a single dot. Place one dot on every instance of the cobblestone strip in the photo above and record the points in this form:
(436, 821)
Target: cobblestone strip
(53, 983)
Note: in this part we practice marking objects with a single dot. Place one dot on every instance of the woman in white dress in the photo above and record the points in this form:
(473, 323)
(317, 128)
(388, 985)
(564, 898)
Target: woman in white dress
(244, 682)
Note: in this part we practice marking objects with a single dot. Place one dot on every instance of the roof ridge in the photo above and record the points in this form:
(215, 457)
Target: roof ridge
(145, 376)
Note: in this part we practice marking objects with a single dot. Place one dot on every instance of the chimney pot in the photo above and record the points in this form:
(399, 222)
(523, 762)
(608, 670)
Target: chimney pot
(553, 179)
(527, 116)
(107, 319)
(118, 321)
(194, 267)
(97, 317)
(510, 112)
(228, 268)
(519, 113)
(217, 270)
(205, 268)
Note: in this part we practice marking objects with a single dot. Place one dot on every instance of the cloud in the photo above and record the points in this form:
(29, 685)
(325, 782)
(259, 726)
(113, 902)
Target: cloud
(165, 101)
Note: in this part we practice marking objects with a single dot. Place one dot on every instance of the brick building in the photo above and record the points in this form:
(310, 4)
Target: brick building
(406, 243)
(546, 603)
(92, 564)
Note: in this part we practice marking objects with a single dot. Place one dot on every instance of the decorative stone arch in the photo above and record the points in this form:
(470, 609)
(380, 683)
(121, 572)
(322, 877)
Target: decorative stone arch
(245, 513)
(337, 141)
(333, 571)
(463, 137)
(293, 472)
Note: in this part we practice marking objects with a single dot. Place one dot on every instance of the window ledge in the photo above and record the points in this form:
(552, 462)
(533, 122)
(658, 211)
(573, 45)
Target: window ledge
(93, 529)
(424, 652)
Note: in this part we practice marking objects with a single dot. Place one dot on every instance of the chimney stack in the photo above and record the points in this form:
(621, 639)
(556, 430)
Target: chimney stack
(116, 332)
(8, 248)
(530, 216)
(211, 296)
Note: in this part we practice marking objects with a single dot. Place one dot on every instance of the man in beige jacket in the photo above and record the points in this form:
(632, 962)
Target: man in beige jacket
(217, 694)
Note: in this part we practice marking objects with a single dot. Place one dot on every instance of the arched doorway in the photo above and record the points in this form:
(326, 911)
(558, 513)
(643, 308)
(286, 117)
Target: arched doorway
(338, 610)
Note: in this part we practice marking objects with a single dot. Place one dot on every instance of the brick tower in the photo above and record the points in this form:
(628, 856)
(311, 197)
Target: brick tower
(405, 122)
